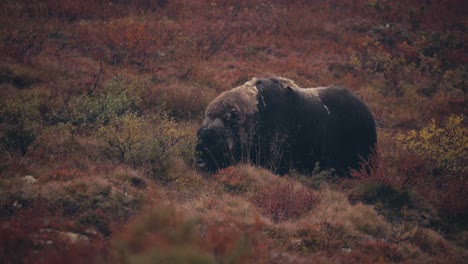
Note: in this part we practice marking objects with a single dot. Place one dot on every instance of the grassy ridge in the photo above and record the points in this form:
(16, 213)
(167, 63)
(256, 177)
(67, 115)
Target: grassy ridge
(100, 102)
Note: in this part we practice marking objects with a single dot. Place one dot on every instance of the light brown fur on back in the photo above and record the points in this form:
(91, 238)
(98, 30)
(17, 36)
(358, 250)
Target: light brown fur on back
(242, 99)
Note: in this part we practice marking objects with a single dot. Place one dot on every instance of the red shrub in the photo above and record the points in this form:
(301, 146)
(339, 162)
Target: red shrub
(23, 44)
(408, 171)
(64, 174)
(38, 235)
(222, 240)
(382, 251)
(126, 40)
(373, 169)
(282, 200)
(403, 170)
(69, 11)
(235, 243)
(235, 180)
(412, 170)
(450, 199)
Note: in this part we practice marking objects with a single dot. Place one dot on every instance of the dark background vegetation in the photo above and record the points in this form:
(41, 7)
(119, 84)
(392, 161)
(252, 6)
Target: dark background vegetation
(100, 102)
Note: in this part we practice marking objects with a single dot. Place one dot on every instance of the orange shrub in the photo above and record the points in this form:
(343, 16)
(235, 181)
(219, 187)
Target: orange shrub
(234, 180)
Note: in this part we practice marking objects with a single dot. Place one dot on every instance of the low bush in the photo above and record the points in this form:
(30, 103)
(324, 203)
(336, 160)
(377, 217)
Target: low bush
(38, 233)
(24, 76)
(20, 120)
(182, 100)
(444, 145)
(282, 200)
(166, 236)
(277, 198)
(235, 180)
(100, 106)
(429, 162)
(149, 142)
(124, 135)
(382, 251)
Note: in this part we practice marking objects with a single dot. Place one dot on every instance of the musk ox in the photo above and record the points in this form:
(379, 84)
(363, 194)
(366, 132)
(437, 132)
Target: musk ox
(276, 124)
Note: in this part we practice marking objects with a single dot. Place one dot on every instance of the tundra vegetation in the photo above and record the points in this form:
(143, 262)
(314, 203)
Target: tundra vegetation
(101, 100)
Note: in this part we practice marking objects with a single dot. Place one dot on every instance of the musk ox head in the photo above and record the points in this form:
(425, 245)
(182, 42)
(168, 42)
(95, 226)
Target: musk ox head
(215, 146)
(223, 130)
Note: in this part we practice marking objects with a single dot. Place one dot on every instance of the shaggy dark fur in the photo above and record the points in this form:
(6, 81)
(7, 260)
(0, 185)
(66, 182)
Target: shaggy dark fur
(281, 126)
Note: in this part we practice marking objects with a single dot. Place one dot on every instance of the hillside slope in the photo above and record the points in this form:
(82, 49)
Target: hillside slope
(101, 100)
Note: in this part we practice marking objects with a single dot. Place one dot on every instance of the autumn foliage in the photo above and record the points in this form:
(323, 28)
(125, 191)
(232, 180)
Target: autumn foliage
(100, 102)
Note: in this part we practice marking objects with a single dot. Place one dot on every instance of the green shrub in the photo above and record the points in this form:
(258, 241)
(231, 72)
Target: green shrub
(119, 98)
(166, 141)
(116, 98)
(20, 121)
(124, 135)
(149, 142)
(17, 137)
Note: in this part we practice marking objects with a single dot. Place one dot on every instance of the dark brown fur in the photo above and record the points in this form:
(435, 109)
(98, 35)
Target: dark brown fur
(275, 124)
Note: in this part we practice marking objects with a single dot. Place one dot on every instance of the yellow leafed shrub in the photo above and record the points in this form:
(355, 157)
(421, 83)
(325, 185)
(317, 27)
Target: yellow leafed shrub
(446, 145)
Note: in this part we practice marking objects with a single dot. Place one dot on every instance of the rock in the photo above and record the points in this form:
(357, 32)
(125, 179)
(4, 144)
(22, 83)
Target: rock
(73, 237)
(346, 250)
(29, 179)
(17, 204)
